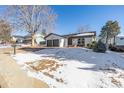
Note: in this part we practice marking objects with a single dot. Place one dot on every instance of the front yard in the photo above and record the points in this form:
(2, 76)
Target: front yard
(73, 67)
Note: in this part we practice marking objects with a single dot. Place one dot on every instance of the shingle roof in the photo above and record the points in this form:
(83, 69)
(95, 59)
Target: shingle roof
(18, 36)
(91, 33)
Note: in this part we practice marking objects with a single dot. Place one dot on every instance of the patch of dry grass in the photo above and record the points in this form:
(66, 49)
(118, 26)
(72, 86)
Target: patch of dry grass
(49, 75)
(116, 82)
(46, 66)
(53, 77)
(50, 65)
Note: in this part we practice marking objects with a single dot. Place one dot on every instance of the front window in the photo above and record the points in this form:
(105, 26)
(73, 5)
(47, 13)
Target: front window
(81, 41)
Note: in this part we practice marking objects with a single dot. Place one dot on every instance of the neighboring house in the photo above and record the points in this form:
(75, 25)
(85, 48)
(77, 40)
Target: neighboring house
(17, 38)
(39, 39)
(77, 39)
(27, 39)
(119, 40)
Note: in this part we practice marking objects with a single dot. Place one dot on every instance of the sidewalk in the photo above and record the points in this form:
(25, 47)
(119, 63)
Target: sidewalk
(11, 76)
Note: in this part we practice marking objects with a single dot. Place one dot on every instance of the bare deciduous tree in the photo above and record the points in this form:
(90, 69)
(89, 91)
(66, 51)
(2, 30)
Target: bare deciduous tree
(32, 18)
(84, 28)
(5, 30)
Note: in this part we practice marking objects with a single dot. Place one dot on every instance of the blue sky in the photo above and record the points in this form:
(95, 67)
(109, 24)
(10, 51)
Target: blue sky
(70, 18)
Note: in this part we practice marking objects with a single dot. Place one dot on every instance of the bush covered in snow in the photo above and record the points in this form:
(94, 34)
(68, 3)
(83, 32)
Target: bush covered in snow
(99, 47)
(92, 45)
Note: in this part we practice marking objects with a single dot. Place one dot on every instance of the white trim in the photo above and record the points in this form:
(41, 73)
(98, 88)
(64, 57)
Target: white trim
(85, 34)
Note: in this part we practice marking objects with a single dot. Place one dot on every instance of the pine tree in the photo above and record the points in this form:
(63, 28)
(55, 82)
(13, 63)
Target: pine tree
(110, 30)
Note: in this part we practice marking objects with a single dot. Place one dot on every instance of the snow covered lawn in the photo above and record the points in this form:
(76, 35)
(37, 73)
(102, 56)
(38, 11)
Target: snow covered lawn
(5, 46)
(77, 67)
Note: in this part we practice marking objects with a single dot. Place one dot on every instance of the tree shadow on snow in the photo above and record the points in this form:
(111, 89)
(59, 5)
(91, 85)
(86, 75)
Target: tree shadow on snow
(30, 49)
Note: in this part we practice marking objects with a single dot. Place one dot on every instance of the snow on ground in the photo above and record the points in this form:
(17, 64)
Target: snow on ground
(81, 67)
(22, 58)
(5, 46)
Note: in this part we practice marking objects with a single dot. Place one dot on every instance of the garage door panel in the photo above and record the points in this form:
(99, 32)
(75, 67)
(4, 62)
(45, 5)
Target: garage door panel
(49, 43)
(56, 42)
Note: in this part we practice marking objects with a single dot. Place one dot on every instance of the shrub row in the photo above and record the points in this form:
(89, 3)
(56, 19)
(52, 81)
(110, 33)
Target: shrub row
(116, 48)
(101, 47)
(97, 46)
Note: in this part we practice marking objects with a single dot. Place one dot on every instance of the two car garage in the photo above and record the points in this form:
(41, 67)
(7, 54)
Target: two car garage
(54, 40)
(53, 43)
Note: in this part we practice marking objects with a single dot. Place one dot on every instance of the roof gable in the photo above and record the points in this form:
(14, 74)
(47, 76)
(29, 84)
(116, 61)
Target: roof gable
(52, 34)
